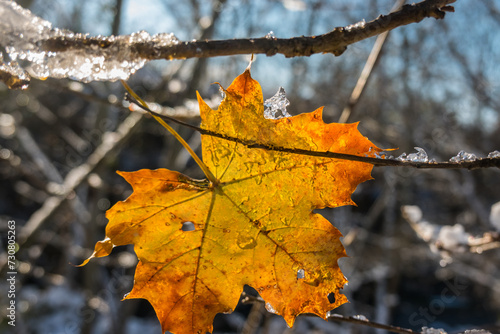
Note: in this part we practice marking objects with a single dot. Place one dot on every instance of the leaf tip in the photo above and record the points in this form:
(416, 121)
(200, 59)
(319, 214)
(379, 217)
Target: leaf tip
(102, 248)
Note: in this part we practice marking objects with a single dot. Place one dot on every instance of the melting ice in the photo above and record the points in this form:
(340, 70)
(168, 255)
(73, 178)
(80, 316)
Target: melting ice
(360, 24)
(270, 35)
(275, 107)
(463, 156)
(494, 154)
(420, 156)
(25, 38)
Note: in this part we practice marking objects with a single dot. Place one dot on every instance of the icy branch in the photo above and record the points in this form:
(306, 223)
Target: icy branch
(51, 52)
(56, 53)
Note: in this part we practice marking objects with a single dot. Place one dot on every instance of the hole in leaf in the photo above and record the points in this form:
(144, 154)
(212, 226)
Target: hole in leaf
(188, 226)
(301, 274)
(331, 298)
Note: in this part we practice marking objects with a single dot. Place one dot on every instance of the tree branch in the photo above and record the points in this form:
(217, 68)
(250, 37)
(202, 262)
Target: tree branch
(378, 162)
(334, 42)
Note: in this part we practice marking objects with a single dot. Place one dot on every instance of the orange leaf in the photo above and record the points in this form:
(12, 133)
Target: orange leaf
(254, 226)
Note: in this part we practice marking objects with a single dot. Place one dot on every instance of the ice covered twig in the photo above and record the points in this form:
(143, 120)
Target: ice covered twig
(52, 52)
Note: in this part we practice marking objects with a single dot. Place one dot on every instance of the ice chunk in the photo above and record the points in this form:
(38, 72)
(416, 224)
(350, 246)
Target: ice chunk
(275, 107)
(359, 317)
(463, 156)
(58, 53)
(420, 156)
(270, 35)
(360, 24)
(402, 157)
(494, 154)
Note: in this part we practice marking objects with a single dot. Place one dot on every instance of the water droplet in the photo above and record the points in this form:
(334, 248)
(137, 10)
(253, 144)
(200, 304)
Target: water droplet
(275, 107)
(301, 274)
(188, 226)
(246, 242)
(222, 92)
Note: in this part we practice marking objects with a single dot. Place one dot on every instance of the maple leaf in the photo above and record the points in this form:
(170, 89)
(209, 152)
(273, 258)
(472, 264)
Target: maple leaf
(253, 225)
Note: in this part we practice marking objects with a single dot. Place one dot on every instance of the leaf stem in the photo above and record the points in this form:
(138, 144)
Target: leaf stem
(144, 105)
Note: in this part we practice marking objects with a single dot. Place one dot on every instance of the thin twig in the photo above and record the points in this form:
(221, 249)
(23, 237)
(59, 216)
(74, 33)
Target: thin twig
(366, 322)
(367, 70)
(334, 42)
(378, 162)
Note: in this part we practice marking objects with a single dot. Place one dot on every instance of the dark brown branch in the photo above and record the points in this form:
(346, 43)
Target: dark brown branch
(378, 162)
(334, 42)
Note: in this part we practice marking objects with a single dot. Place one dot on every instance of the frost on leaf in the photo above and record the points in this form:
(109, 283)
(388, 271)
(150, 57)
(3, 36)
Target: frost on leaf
(254, 226)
